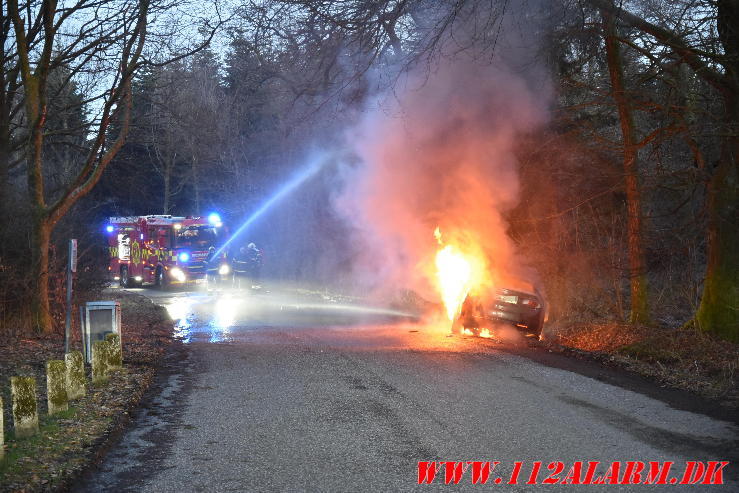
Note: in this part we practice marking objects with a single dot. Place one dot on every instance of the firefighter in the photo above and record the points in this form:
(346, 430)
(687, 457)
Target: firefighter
(240, 264)
(211, 266)
(255, 262)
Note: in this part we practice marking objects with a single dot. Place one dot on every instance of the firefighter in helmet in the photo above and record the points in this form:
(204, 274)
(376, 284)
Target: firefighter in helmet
(240, 264)
(255, 262)
(211, 266)
(247, 265)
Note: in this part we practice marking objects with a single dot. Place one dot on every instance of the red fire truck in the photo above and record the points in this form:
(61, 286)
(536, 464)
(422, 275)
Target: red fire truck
(163, 250)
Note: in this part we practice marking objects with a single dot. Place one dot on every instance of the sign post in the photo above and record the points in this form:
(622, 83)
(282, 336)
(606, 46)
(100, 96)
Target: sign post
(71, 269)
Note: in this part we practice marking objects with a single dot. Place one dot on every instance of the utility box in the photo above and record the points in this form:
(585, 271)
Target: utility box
(100, 318)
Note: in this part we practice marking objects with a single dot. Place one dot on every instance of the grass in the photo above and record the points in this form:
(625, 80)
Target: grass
(68, 441)
(20, 448)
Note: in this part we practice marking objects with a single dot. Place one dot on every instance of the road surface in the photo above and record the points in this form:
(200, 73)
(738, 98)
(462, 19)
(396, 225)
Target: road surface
(283, 390)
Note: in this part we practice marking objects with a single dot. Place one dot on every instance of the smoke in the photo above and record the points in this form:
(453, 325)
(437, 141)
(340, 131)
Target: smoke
(438, 150)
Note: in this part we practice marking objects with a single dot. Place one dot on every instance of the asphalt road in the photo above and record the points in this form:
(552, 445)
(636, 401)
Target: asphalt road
(294, 391)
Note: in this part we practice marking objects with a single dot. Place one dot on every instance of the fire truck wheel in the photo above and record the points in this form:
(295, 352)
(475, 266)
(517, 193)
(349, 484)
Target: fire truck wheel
(125, 281)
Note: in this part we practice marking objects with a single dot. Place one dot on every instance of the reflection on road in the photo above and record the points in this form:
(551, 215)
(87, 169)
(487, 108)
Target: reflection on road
(181, 311)
(225, 315)
(231, 315)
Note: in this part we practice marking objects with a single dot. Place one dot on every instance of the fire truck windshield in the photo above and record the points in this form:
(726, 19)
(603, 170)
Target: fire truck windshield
(196, 236)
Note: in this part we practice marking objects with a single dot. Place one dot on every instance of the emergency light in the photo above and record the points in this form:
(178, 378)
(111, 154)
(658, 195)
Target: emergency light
(184, 257)
(109, 228)
(215, 219)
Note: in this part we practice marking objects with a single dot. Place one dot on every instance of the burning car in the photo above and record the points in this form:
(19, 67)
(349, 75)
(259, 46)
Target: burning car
(519, 304)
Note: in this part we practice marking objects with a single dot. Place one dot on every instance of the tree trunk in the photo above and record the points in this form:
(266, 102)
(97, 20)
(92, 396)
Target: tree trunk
(719, 308)
(196, 184)
(7, 75)
(169, 164)
(6, 143)
(41, 232)
(4, 168)
(637, 271)
(40, 294)
(167, 187)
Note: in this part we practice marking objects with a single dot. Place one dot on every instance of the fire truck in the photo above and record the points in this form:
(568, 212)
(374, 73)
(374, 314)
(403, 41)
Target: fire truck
(164, 249)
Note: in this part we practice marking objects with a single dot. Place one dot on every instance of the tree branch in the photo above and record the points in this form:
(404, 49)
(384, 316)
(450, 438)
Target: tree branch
(673, 41)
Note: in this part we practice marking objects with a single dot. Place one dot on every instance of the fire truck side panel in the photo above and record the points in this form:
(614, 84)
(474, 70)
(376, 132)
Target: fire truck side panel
(124, 246)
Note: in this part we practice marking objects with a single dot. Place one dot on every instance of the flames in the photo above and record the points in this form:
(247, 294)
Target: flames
(460, 269)
(482, 333)
(454, 274)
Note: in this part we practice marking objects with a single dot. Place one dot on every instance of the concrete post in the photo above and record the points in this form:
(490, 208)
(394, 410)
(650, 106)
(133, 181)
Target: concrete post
(115, 355)
(99, 362)
(56, 386)
(75, 366)
(25, 408)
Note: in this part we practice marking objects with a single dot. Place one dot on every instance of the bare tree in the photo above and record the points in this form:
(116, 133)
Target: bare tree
(11, 103)
(103, 43)
(718, 66)
(630, 154)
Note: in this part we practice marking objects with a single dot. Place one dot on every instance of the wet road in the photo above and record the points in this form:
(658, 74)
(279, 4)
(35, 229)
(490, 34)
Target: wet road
(296, 391)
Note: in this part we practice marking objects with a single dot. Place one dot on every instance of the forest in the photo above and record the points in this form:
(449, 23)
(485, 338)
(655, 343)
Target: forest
(592, 143)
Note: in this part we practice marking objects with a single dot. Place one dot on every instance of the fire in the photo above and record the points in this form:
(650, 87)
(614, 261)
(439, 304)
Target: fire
(483, 333)
(454, 276)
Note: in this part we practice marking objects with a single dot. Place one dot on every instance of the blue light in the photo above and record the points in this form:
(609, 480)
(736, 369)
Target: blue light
(302, 176)
(184, 257)
(214, 219)
(109, 228)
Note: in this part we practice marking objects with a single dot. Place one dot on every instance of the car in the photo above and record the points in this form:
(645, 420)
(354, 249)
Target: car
(518, 303)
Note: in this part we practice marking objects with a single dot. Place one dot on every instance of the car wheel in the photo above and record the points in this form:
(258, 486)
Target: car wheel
(125, 280)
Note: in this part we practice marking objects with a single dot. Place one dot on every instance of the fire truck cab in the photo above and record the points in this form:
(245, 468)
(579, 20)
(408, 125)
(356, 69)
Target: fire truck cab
(163, 249)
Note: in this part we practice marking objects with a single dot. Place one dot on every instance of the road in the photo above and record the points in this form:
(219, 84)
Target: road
(280, 390)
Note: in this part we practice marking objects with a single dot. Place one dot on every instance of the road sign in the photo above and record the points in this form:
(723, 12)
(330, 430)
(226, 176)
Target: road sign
(73, 255)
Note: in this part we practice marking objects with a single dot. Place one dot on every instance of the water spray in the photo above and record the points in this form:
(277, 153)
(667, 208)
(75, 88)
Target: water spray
(298, 179)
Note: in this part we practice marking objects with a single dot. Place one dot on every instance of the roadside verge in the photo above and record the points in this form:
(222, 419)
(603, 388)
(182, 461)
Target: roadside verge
(680, 358)
(69, 442)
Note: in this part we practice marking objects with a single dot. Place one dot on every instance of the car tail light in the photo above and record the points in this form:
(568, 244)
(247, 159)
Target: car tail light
(531, 303)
